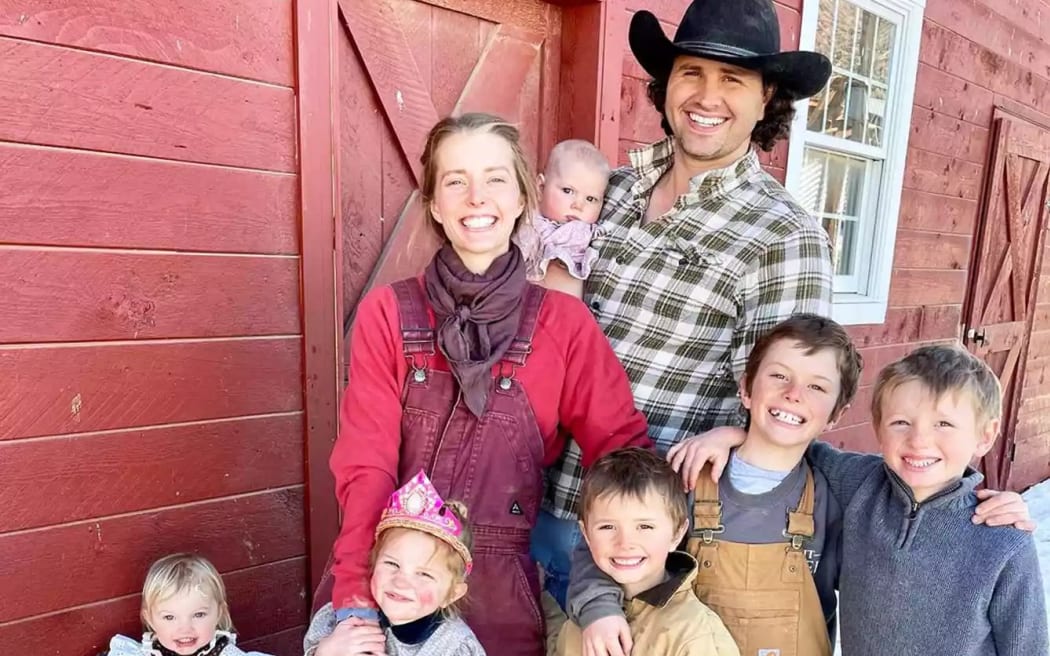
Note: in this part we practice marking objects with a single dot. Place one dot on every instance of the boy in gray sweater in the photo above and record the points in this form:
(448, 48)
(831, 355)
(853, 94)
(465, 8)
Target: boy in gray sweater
(918, 576)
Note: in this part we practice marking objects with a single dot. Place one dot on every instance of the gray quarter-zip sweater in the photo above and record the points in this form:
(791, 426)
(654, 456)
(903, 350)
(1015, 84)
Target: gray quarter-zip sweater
(922, 578)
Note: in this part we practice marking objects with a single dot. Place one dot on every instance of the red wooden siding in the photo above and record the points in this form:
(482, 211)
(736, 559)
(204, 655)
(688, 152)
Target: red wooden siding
(975, 55)
(151, 345)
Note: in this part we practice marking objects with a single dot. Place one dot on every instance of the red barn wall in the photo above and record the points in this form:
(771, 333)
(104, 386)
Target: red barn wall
(976, 55)
(150, 340)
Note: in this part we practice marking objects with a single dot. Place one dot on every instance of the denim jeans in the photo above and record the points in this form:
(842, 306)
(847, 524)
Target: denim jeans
(553, 541)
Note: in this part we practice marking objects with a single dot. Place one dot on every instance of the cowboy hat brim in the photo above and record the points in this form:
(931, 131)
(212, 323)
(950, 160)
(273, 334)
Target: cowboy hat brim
(799, 74)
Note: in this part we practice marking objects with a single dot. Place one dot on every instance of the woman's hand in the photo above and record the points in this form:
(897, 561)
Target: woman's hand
(689, 456)
(351, 637)
(1003, 509)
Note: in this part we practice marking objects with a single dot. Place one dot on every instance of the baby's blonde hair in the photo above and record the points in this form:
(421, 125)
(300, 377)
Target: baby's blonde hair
(184, 572)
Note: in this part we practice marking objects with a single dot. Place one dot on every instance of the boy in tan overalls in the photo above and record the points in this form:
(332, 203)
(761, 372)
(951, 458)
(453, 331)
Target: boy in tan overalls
(633, 516)
(764, 535)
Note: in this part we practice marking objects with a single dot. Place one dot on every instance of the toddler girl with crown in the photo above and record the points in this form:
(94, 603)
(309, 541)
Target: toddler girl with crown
(419, 565)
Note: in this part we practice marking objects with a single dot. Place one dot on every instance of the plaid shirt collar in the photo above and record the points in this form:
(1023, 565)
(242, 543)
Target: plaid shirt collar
(653, 161)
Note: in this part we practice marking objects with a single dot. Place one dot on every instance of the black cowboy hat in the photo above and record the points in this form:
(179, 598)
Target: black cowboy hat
(744, 33)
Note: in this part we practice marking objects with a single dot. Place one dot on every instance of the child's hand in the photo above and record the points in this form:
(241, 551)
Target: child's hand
(690, 455)
(1003, 509)
(609, 636)
(353, 636)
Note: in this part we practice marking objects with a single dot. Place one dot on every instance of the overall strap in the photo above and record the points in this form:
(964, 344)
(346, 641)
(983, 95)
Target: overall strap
(417, 332)
(800, 525)
(522, 345)
(707, 508)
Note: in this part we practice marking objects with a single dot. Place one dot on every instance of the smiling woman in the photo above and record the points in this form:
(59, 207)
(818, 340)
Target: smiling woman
(474, 376)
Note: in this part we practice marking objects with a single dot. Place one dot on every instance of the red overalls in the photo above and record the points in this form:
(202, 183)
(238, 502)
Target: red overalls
(493, 464)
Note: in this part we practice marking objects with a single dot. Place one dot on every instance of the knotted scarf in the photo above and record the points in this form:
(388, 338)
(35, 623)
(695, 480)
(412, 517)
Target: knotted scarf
(477, 316)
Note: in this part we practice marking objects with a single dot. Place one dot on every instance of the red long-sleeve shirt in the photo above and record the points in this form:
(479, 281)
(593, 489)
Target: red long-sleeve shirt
(572, 379)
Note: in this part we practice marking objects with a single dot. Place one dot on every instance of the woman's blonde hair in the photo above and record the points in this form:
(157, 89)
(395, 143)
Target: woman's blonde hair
(477, 122)
(451, 558)
(184, 572)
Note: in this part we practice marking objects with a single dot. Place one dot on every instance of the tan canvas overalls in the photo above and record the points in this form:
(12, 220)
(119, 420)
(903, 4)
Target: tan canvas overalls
(764, 593)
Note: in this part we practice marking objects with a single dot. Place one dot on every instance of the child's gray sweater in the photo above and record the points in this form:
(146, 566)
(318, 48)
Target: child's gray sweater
(921, 578)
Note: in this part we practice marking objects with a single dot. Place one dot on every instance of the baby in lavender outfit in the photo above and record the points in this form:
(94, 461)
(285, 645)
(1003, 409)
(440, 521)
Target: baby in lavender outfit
(572, 188)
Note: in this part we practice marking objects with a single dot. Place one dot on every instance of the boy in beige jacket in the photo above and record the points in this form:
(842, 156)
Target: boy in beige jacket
(633, 514)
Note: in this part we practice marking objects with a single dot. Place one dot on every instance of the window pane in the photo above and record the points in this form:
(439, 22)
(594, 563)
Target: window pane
(832, 188)
(883, 50)
(860, 45)
(843, 235)
(845, 27)
(865, 44)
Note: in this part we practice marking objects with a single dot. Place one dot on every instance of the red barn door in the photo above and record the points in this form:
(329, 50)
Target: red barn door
(1007, 260)
(403, 65)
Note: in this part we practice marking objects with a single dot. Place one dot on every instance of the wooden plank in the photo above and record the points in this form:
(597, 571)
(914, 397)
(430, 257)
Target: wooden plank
(244, 38)
(1034, 16)
(66, 389)
(941, 322)
(954, 54)
(860, 410)
(975, 21)
(361, 128)
(75, 198)
(61, 97)
(46, 482)
(318, 28)
(384, 50)
(289, 641)
(953, 96)
(107, 557)
(931, 250)
(533, 15)
(938, 174)
(925, 211)
(945, 135)
(59, 295)
(901, 325)
(263, 599)
(1041, 318)
(926, 287)
(457, 41)
(497, 82)
(877, 358)
(639, 120)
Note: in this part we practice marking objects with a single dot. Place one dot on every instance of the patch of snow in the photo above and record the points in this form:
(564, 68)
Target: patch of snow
(1038, 498)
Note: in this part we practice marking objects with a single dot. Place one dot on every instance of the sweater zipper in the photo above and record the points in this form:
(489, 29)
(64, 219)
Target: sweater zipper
(441, 439)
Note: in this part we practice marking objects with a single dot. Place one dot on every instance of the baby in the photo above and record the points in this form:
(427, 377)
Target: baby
(184, 611)
(572, 189)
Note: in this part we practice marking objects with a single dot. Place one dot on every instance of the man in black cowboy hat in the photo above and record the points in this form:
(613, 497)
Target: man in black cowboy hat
(701, 250)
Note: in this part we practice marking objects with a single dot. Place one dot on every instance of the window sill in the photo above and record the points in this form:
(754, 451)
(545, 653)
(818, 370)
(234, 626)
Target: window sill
(855, 310)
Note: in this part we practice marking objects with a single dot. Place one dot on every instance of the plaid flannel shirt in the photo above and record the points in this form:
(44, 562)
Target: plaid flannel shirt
(683, 298)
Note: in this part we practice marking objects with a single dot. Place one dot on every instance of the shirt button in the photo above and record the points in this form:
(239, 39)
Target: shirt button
(595, 305)
(620, 260)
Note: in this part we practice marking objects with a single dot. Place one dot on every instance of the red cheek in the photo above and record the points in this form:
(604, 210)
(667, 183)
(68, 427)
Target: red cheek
(426, 598)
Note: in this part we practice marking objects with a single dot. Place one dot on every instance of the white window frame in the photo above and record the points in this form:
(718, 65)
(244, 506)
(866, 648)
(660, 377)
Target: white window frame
(883, 203)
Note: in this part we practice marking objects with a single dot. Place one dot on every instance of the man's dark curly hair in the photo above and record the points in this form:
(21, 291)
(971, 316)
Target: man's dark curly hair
(774, 126)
